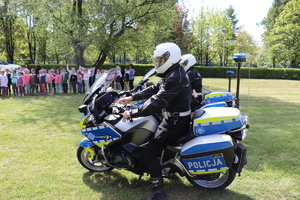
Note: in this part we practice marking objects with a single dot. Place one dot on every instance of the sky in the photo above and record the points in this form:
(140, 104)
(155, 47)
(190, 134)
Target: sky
(248, 12)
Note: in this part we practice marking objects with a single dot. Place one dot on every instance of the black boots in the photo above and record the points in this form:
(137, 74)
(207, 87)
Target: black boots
(157, 192)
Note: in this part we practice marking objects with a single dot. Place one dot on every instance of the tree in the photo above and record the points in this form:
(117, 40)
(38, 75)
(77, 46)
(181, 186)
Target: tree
(181, 34)
(232, 17)
(115, 18)
(284, 40)
(213, 35)
(111, 27)
(244, 43)
(8, 28)
(269, 21)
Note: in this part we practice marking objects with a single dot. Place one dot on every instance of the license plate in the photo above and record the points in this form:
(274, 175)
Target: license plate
(212, 163)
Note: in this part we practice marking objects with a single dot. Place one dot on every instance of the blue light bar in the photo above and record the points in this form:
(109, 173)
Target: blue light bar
(230, 72)
(239, 57)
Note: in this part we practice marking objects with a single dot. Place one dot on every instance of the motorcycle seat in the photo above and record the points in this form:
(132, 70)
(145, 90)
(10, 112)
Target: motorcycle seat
(186, 137)
(198, 113)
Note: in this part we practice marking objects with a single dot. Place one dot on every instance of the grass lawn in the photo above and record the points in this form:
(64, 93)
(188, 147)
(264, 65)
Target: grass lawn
(39, 137)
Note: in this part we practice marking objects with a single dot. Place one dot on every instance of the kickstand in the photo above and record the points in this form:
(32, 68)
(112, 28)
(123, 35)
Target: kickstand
(138, 182)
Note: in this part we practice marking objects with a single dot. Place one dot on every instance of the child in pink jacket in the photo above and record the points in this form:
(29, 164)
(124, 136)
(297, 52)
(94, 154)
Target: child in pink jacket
(49, 80)
(58, 82)
(20, 83)
(27, 82)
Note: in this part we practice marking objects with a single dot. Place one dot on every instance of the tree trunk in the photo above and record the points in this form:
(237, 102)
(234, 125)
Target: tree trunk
(101, 59)
(207, 58)
(274, 64)
(79, 51)
(10, 48)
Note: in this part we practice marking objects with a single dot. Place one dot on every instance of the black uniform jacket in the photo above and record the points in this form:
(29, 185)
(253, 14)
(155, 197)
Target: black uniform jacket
(173, 92)
(195, 79)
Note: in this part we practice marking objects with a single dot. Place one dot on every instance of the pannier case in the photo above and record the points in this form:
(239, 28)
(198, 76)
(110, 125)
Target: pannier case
(213, 97)
(208, 154)
(217, 120)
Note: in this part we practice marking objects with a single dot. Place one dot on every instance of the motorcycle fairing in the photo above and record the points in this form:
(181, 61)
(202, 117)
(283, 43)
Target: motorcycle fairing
(208, 154)
(138, 103)
(217, 120)
(217, 104)
(148, 123)
(101, 135)
(214, 97)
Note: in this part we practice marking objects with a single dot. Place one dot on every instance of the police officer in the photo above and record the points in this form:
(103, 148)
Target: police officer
(171, 96)
(187, 62)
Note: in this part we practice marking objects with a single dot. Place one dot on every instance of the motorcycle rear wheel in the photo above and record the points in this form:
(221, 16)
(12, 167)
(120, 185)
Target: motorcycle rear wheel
(91, 164)
(218, 181)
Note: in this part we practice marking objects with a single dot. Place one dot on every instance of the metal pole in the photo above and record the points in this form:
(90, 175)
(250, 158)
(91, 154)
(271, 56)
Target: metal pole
(223, 30)
(229, 85)
(223, 51)
(237, 102)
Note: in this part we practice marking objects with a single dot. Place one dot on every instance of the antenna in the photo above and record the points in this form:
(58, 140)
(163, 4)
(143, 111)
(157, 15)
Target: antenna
(238, 58)
(229, 74)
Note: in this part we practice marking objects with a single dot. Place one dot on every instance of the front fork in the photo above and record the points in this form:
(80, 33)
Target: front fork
(91, 147)
(87, 144)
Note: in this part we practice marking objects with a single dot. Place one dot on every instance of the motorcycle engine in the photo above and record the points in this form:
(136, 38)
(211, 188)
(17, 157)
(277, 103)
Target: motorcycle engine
(123, 160)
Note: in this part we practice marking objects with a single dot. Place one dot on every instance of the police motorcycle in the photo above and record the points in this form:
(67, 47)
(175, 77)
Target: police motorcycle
(209, 155)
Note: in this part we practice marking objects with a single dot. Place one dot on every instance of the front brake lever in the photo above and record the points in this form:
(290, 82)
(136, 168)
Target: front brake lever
(130, 119)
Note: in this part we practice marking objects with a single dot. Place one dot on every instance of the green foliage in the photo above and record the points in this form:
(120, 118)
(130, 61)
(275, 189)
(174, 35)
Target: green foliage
(212, 32)
(90, 30)
(269, 21)
(181, 33)
(283, 41)
(244, 43)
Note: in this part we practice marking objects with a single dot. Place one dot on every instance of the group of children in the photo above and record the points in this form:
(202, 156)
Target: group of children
(25, 81)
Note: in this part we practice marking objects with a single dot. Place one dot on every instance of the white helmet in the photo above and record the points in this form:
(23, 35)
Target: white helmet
(165, 56)
(187, 61)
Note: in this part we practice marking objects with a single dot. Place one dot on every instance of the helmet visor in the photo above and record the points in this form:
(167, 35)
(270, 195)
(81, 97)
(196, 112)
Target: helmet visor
(185, 63)
(160, 60)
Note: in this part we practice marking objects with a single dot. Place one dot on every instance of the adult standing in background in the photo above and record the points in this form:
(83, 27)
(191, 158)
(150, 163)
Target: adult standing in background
(122, 77)
(118, 77)
(37, 67)
(131, 72)
(8, 74)
(26, 66)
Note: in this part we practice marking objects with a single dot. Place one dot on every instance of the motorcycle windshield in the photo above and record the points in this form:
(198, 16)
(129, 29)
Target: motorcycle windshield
(144, 79)
(105, 80)
(148, 74)
(101, 84)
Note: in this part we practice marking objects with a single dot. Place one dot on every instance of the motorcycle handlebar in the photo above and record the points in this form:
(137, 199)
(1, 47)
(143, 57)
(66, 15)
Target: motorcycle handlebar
(125, 93)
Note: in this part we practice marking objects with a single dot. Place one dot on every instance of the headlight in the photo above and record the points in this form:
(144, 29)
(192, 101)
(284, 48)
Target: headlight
(87, 121)
(244, 135)
(247, 123)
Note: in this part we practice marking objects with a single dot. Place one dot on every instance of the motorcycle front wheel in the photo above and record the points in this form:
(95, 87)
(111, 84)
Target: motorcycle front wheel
(216, 181)
(92, 164)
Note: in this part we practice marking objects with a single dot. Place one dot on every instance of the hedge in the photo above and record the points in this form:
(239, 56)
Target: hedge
(213, 72)
(251, 72)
